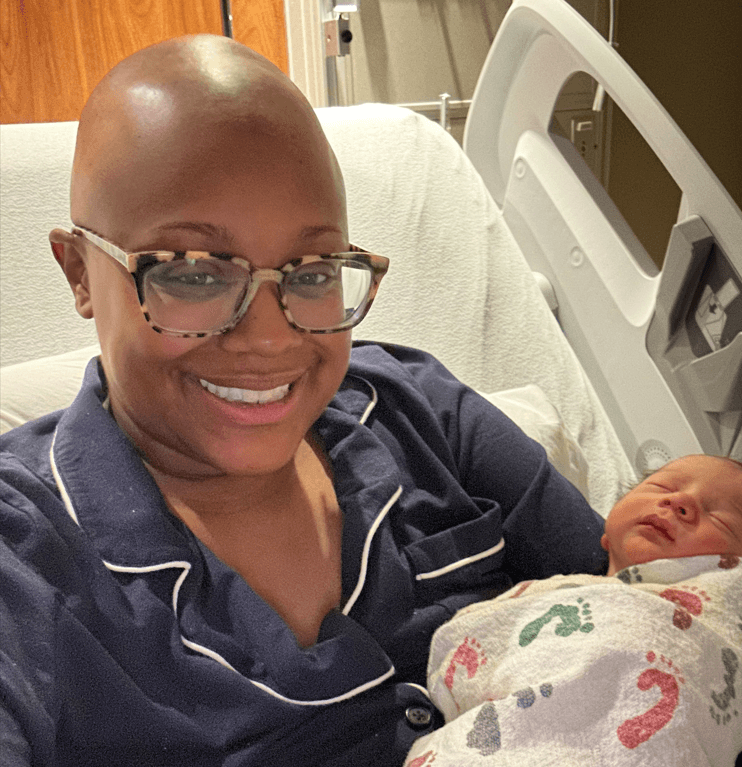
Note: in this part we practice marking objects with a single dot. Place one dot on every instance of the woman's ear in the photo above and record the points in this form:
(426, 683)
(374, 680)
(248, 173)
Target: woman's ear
(67, 252)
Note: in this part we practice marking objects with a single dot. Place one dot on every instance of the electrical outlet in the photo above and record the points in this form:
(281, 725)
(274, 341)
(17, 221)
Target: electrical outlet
(585, 129)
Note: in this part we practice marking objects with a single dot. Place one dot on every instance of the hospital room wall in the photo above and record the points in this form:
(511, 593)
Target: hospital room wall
(408, 51)
(691, 59)
(411, 51)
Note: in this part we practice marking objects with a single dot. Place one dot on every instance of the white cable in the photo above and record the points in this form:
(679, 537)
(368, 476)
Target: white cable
(600, 90)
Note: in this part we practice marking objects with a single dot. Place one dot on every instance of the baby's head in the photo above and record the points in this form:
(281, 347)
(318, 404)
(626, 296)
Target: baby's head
(691, 506)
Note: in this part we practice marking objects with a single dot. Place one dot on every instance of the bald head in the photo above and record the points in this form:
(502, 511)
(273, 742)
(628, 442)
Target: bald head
(164, 114)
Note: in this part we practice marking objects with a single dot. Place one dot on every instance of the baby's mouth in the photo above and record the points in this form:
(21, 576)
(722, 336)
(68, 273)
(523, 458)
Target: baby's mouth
(662, 525)
(249, 396)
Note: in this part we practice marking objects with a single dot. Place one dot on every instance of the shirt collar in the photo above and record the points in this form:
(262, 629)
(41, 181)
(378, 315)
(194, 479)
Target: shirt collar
(105, 486)
(113, 498)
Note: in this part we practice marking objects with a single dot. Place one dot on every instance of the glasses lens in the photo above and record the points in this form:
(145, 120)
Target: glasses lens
(194, 295)
(202, 295)
(327, 294)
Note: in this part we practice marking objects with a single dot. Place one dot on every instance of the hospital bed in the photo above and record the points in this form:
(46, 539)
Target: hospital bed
(617, 378)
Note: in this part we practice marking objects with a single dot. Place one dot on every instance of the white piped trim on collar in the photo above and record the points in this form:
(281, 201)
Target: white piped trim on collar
(205, 651)
(329, 701)
(419, 688)
(367, 548)
(186, 568)
(371, 405)
(66, 500)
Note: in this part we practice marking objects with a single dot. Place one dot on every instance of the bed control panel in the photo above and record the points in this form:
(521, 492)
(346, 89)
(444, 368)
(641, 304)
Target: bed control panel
(695, 335)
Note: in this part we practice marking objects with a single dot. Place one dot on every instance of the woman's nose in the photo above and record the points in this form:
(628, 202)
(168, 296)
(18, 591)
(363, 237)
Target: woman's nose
(264, 328)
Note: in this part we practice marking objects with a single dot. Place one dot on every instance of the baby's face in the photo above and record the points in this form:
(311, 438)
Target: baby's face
(690, 507)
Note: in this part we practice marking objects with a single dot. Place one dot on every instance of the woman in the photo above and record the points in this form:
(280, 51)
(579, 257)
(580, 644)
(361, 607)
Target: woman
(235, 545)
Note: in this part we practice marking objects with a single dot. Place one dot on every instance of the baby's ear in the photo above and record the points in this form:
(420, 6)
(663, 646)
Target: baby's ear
(604, 541)
(65, 247)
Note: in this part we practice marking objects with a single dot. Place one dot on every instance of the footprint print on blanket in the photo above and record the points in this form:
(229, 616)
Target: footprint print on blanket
(570, 621)
(422, 761)
(635, 731)
(485, 736)
(689, 604)
(722, 711)
(470, 655)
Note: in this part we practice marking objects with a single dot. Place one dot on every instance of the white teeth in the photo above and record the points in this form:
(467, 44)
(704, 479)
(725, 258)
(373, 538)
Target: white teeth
(233, 394)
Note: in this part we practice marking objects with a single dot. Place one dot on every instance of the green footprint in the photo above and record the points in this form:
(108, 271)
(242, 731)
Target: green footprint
(569, 616)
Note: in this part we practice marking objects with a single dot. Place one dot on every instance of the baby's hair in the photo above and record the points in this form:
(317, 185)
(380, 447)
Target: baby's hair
(627, 487)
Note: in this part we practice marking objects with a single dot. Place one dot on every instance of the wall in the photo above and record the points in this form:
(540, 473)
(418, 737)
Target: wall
(690, 57)
(407, 51)
(688, 53)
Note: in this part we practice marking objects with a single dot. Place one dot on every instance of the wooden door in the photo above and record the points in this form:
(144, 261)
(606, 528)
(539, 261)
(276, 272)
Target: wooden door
(54, 52)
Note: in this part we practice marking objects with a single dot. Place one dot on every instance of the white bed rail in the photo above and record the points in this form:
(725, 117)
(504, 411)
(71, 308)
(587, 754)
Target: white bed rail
(672, 398)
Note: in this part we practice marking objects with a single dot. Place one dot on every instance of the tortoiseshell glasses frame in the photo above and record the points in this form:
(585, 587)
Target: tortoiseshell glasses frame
(208, 293)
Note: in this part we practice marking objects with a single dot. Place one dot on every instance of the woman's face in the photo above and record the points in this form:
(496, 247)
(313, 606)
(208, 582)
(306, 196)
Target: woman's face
(252, 196)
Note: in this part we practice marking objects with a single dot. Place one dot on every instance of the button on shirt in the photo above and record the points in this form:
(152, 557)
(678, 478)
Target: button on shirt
(124, 640)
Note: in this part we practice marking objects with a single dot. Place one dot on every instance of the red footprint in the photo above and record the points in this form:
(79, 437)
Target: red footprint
(521, 588)
(640, 728)
(427, 758)
(468, 654)
(688, 604)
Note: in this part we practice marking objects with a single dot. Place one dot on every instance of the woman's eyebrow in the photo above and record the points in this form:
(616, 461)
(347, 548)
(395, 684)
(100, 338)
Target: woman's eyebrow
(314, 231)
(223, 234)
(217, 231)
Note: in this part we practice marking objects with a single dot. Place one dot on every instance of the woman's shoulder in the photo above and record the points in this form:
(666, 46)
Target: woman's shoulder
(25, 449)
(377, 357)
(405, 369)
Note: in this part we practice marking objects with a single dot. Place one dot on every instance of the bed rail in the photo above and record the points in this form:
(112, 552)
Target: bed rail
(669, 378)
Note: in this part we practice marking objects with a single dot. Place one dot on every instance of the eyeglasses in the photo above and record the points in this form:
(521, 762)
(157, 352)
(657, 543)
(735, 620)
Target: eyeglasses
(195, 293)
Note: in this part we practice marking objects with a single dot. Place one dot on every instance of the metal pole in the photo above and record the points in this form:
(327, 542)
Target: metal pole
(226, 18)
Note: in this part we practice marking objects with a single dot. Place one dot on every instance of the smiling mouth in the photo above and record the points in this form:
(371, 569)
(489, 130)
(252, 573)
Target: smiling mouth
(248, 396)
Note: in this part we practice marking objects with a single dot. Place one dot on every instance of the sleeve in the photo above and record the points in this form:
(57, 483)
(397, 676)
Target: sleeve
(28, 607)
(14, 748)
(548, 526)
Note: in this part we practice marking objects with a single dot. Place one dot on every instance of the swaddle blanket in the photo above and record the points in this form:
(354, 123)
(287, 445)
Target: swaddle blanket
(641, 668)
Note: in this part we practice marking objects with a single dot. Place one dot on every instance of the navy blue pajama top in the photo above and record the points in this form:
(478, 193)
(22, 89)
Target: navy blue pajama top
(125, 641)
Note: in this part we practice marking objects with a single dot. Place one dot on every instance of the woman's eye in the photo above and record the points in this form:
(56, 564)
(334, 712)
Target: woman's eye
(311, 279)
(188, 279)
(202, 280)
(314, 281)
(196, 278)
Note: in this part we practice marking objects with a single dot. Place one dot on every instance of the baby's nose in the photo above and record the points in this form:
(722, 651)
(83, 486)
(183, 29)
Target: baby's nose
(680, 504)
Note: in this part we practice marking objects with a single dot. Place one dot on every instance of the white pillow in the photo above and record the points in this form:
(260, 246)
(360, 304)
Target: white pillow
(540, 420)
(31, 389)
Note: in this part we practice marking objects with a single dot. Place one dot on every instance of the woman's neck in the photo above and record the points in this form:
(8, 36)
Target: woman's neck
(282, 533)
